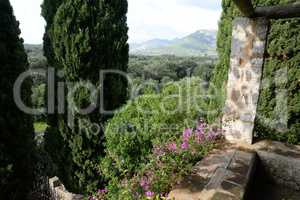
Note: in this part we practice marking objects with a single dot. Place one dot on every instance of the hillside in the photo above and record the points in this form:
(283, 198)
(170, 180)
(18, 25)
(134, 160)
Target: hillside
(200, 43)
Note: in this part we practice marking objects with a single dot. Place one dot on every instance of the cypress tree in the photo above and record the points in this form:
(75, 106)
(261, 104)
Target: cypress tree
(54, 144)
(89, 36)
(283, 54)
(16, 129)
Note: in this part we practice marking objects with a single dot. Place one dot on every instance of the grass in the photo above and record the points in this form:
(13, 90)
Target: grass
(40, 127)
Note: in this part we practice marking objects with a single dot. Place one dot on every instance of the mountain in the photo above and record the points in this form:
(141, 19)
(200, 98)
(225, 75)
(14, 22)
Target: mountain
(202, 42)
(151, 44)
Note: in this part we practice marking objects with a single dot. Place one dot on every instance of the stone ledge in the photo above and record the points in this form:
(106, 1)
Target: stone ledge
(280, 161)
(222, 175)
(59, 192)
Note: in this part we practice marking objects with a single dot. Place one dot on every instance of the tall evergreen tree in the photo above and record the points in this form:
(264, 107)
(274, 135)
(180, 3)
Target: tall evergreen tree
(89, 36)
(16, 129)
(54, 144)
(283, 54)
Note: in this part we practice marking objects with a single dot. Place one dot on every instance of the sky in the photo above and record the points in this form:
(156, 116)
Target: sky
(147, 19)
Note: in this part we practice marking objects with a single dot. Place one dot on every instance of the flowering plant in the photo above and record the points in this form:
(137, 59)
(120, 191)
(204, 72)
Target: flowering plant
(174, 159)
(169, 162)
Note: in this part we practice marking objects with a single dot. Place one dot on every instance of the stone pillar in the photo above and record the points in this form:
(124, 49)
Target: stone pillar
(246, 62)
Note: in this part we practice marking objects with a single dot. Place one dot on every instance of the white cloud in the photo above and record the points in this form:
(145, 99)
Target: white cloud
(147, 19)
(210, 4)
(150, 19)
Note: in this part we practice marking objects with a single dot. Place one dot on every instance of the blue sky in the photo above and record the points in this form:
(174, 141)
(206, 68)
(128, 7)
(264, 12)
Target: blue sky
(147, 19)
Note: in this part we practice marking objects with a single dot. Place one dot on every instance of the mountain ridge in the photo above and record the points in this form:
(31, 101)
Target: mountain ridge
(199, 43)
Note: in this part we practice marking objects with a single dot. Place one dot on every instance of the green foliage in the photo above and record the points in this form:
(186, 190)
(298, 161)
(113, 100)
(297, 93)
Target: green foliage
(220, 73)
(38, 99)
(49, 9)
(131, 133)
(61, 164)
(279, 103)
(282, 57)
(89, 36)
(40, 127)
(16, 135)
(171, 67)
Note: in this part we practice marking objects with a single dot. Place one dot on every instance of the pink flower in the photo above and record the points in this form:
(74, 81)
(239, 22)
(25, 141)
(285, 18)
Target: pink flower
(172, 147)
(185, 145)
(187, 134)
(199, 136)
(102, 190)
(149, 194)
(144, 183)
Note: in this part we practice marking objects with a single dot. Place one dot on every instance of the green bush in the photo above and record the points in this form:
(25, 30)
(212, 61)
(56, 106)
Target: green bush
(131, 133)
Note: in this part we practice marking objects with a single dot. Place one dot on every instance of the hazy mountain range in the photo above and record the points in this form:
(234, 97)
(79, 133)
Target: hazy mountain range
(202, 42)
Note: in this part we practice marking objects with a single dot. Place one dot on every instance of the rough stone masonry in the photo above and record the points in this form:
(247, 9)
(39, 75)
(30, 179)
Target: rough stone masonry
(246, 62)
